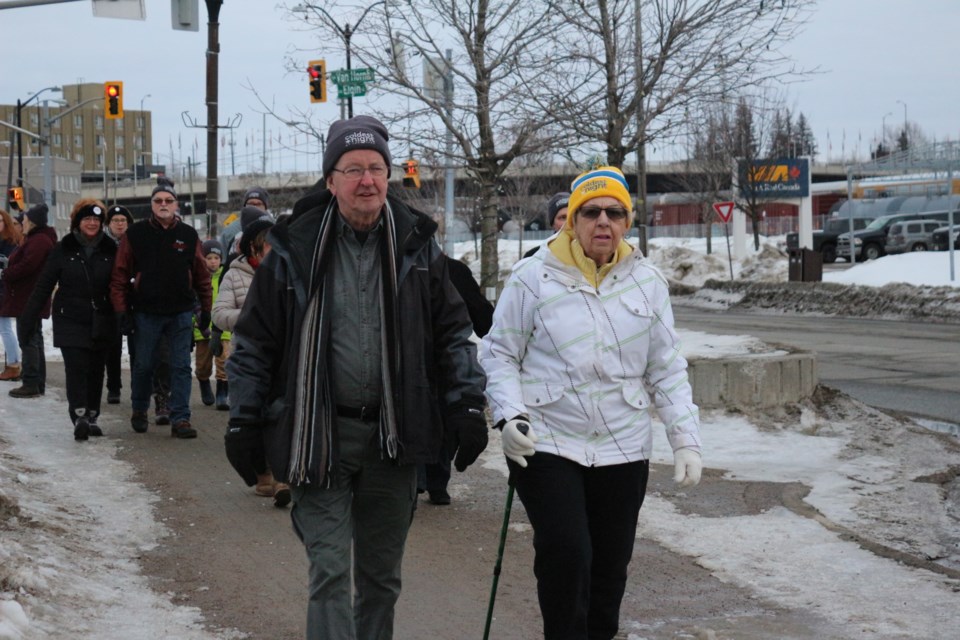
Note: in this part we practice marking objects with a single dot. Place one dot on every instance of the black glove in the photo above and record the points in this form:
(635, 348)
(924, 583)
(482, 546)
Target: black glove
(126, 324)
(244, 447)
(203, 322)
(216, 343)
(467, 431)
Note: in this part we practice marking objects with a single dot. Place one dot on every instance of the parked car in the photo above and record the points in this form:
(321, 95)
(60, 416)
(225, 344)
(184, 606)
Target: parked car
(870, 243)
(825, 240)
(912, 235)
(939, 238)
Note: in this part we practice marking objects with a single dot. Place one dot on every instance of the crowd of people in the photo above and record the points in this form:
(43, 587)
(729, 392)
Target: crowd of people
(343, 343)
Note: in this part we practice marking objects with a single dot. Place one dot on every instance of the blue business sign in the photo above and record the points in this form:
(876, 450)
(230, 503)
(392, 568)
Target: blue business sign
(779, 177)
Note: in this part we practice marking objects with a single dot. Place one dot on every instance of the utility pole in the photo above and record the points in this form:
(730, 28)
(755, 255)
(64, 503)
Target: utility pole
(213, 71)
(641, 133)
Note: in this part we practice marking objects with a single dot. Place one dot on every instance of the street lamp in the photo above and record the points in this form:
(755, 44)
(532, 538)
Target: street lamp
(143, 142)
(904, 120)
(346, 31)
(20, 106)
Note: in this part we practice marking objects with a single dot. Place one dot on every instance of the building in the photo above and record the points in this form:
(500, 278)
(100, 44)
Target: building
(102, 147)
(64, 182)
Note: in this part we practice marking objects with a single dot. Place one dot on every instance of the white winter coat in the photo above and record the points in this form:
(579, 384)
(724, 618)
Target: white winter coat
(582, 363)
(233, 292)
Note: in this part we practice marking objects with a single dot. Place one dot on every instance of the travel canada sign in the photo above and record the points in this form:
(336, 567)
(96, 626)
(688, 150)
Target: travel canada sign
(780, 177)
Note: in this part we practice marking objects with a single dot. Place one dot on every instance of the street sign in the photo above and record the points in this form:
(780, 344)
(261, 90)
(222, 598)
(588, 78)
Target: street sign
(351, 90)
(349, 76)
(724, 210)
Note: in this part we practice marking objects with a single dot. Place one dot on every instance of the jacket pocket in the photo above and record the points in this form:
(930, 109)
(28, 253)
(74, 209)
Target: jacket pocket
(541, 394)
(635, 394)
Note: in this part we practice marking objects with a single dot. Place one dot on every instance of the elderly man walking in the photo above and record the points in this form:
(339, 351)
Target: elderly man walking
(158, 276)
(351, 354)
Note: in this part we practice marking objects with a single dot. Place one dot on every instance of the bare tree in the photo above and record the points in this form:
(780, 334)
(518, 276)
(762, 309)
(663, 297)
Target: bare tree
(487, 54)
(640, 64)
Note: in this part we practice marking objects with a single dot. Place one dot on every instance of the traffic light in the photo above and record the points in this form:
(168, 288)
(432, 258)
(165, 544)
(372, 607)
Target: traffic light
(318, 80)
(15, 198)
(113, 100)
(411, 174)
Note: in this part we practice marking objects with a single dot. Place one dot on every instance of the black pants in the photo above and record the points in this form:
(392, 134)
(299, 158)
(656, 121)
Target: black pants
(114, 356)
(584, 526)
(33, 361)
(84, 375)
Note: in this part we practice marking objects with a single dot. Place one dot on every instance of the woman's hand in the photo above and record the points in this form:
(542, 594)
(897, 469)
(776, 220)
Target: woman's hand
(518, 440)
(686, 467)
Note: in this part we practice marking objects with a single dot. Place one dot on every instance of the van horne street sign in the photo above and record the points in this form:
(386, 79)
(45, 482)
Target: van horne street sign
(351, 82)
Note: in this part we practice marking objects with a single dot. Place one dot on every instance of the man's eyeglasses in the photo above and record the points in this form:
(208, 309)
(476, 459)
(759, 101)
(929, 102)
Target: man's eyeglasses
(615, 214)
(356, 173)
(164, 200)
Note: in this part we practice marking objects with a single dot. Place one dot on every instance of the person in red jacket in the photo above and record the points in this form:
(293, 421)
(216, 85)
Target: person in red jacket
(19, 279)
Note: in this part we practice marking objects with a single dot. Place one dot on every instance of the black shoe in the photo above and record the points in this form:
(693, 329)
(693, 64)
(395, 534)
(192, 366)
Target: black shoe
(26, 391)
(439, 496)
(183, 430)
(223, 395)
(139, 421)
(113, 397)
(81, 429)
(206, 393)
(95, 430)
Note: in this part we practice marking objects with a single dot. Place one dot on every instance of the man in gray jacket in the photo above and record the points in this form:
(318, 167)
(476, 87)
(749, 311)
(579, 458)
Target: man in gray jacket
(351, 354)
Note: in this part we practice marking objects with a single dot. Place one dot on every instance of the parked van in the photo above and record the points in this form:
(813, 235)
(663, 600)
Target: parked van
(913, 235)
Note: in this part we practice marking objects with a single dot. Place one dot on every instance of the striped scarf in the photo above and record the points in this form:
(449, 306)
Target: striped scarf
(314, 452)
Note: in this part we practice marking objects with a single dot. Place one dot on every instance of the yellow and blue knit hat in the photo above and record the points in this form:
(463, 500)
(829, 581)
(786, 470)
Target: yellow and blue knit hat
(602, 181)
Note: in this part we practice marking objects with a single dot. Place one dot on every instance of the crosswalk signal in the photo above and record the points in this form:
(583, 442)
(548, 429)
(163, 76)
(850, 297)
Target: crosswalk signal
(113, 97)
(411, 174)
(318, 80)
(15, 198)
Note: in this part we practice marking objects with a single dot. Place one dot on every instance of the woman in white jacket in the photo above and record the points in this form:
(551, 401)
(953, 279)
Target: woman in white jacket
(234, 284)
(581, 350)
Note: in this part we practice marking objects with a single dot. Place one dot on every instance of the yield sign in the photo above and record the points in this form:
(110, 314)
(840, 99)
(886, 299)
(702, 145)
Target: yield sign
(724, 210)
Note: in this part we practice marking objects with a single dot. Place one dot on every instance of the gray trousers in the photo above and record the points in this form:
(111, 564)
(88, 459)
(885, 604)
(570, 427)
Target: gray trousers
(371, 506)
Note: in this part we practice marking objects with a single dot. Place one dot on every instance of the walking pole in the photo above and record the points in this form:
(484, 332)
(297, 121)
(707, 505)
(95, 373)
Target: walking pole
(503, 542)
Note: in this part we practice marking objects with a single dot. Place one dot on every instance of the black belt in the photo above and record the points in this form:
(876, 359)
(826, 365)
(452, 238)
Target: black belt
(367, 414)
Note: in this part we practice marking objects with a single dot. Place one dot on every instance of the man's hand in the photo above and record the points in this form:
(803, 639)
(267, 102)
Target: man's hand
(125, 323)
(244, 447)
(687, 466)
(467, 430)
(518, 441)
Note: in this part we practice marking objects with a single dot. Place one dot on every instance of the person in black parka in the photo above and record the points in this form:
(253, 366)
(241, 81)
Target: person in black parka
(84, 328)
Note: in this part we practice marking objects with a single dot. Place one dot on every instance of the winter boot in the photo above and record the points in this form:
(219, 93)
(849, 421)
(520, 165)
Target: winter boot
(265, 485)
(223, 395)
(95, 429)
(161, 408)
(139, 421)
(206, 393)
(11, 373)
(113, 396)
(81, 427)
(183, 430)
(26, 391)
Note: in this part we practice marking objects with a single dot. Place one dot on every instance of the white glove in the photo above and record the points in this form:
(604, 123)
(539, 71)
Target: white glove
(515, 444)
(686, 467)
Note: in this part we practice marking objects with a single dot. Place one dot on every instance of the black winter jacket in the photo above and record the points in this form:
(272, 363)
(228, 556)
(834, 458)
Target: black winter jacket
(439, 371)
(83, 290)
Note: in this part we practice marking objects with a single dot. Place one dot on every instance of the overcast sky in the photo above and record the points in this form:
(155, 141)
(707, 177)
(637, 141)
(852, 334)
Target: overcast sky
(872, 54)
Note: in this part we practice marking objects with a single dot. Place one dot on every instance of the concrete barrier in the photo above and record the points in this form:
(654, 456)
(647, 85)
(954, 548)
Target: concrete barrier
(752, 380)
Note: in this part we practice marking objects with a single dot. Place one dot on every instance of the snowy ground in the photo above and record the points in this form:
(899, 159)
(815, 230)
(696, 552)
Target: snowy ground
(73, 523)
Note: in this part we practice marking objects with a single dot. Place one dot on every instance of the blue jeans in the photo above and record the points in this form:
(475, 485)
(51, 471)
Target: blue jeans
(8, 335)
(178, 329)
(371, 505)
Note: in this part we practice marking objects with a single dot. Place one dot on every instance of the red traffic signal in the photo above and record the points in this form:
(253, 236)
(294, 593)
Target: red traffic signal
(317, 70)
(113, 100)
(411, 174)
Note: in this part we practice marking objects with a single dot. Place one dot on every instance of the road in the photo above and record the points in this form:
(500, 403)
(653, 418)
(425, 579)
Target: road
(912, 367)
